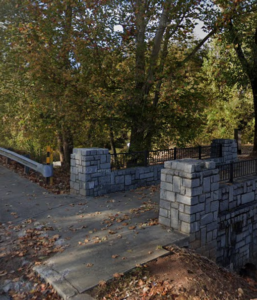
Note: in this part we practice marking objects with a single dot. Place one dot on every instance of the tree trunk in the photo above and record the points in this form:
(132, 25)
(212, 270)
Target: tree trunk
(60, 147)
(67, 148)
(137, 138)
(254, 89)
(65, 144)
(113, 147)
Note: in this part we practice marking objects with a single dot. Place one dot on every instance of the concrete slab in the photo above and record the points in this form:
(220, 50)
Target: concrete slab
(102, 236)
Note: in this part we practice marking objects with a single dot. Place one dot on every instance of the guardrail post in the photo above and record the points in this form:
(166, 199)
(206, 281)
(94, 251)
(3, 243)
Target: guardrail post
(200, 152)
(26, 169)
(49, 161)
(231, 172)
(175, 153)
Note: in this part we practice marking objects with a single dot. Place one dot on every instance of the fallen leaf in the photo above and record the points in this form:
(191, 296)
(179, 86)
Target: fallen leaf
(102, 283)
(141, 282)
(89, 265)
(132, 227)
(117, 275)
(3, 273)
(115, 255)
(112, 232)
(56, 237)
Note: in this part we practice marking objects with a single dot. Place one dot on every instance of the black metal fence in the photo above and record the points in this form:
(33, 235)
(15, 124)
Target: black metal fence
(146, 158)
(239, 169)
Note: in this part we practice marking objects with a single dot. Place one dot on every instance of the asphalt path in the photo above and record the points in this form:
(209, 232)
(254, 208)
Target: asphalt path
(100, 236)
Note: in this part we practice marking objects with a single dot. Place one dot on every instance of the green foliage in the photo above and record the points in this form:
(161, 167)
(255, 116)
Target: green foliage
(69, 78)
(230, 104)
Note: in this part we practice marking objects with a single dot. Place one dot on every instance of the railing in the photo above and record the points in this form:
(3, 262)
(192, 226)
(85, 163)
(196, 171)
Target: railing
(146, 158)
(45, 170)
(239, 169)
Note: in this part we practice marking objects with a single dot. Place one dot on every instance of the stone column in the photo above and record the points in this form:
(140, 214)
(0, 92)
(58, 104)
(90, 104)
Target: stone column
(189, 202)
(90, 171)
(229, 150)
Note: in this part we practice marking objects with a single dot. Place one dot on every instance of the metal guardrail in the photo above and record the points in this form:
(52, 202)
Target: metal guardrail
(45, 170)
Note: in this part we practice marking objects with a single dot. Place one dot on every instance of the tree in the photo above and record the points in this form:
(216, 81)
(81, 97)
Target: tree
(82, 73)
(152, 35)
(240, 30)
(229, 95)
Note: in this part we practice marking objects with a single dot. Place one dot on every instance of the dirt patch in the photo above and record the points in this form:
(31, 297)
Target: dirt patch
(182, 275)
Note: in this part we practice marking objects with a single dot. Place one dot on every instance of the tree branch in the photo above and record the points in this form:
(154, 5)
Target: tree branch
(197, 47)
(156, 47)
(238, 48)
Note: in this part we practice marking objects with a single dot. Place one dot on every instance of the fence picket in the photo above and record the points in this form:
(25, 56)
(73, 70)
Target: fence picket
(146, 158)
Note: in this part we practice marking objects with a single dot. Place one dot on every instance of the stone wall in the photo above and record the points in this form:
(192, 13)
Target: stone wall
(237, 232)
(221, 220)
(229, 150)
(91, 173)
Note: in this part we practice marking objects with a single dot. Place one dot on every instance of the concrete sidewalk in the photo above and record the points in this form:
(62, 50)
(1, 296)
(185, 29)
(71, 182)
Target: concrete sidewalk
(101, 236)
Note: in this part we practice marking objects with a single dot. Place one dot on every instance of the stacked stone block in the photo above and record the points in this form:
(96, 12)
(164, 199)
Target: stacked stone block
(221, 220)
(91, 174)
(90, 171)
(189, 202)
(229, 150)
(236, 241)
(132, 178)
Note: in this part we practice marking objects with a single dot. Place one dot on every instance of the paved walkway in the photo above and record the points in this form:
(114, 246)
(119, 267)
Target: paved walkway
(101, 236)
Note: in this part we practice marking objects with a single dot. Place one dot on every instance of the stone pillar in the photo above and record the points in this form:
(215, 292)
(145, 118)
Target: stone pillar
(189, 202)
(90, 171)
(229, 150)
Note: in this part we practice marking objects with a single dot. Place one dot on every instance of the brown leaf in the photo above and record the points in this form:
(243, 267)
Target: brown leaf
(56, 237)
(141, 282)
(117, 275)
(112, 232)
(115, 255)
(102, 283)
(3, 273)
(132, 227)
(89, 265)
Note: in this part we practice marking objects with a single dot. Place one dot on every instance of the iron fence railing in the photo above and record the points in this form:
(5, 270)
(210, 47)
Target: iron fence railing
(239, 169)
(146, 158)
